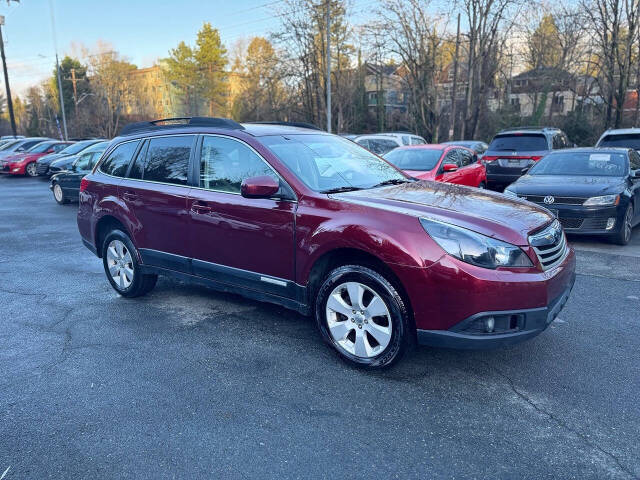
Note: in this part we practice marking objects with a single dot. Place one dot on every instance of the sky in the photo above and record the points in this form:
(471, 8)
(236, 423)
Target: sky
(140, 30)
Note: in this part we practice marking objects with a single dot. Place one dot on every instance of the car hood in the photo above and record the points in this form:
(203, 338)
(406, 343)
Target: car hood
(485, 212)
(567, 186)
(51, 157)
(19, 157)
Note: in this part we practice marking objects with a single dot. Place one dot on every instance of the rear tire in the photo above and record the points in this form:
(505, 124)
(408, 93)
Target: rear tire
(482, 186)
(623, 235)
(363, 317)
(120, 261)
(58, 194)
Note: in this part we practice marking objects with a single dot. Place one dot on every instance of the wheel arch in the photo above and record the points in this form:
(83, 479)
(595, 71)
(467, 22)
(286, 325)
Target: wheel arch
(106, 224)
(349, 256)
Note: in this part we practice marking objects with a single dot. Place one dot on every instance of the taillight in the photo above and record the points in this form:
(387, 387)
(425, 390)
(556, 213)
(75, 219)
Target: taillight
(84, 183)
(489, 158)
(536, 158)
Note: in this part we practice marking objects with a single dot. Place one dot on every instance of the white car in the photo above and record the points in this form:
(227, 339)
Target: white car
(382, 143)
(621, 137)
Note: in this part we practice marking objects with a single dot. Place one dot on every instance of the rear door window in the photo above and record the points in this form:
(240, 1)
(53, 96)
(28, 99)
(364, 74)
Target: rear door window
(167, 159)
(519, 142)
(117, 163)
(466, 157)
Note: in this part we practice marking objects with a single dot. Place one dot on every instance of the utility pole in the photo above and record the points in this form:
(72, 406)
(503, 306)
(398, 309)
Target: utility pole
(454, 89)
(55, 46)
(75, 91)
(6, 80)
(329, 66)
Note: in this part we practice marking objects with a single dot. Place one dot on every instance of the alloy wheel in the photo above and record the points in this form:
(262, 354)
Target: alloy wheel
(120, 264)
(627, 224)
(358, 319)
(32, 170)
(57, 193)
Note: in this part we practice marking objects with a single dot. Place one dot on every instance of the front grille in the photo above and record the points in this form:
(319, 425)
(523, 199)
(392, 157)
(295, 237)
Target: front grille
(556, 200)
(550, 245)
(42, 168)
(571, 223)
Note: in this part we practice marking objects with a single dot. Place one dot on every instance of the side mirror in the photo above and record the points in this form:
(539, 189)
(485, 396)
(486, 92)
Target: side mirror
(449, 167)
(259, 187)
(51, 150)
(635, 174)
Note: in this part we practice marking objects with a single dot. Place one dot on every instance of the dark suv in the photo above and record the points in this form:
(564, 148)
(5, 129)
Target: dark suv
(512, 152)
(316, 223)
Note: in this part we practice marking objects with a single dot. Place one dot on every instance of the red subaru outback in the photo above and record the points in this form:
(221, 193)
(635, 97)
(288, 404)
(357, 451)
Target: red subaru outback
(316, 223)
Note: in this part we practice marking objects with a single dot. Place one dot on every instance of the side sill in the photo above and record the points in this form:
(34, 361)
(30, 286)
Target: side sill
(90, 246)
(253, 294)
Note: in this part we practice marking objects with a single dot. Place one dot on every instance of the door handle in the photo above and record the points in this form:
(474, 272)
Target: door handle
(199, 207)
(129, 196)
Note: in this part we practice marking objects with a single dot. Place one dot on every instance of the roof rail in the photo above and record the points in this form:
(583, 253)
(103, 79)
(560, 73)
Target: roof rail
(530, 127)
(289, 124)
(176, 122)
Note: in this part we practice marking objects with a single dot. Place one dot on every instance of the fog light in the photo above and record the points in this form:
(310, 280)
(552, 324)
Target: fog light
(17, 169)
(610, 223)
(489, 323)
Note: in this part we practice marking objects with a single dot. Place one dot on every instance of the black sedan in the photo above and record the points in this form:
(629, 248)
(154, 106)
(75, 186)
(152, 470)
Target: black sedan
(594, 191)
(42, 164)
(65, 185)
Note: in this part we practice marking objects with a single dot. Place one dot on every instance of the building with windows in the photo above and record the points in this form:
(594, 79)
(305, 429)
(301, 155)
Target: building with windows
(154, 96)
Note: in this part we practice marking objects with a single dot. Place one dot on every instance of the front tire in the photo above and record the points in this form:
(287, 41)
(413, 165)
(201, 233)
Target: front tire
(31, 170)
(58, 194)
(120, 261)
(363, 317)
(623, 235)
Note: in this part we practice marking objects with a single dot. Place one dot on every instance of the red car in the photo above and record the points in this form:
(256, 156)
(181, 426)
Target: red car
(25, 163)
(440, 162)
(316, 223)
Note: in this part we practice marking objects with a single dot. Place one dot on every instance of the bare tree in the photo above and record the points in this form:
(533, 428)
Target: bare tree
(614, 25)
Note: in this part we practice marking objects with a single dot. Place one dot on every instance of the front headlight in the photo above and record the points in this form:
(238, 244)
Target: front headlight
(474, 248)
(602, 201)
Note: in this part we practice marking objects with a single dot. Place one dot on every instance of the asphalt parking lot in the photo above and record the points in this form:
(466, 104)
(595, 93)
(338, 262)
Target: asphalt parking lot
(190, 383)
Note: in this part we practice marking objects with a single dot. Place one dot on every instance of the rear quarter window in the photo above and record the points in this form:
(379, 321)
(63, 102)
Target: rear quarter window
(628, 140)
(117, 163)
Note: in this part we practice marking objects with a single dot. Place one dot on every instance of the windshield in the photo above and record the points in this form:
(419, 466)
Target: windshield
(40, 147)
(519, 142)
(7, 146)
(583, 164)
(76, 147)
(414, 159)
(630, 140)
(326, 163)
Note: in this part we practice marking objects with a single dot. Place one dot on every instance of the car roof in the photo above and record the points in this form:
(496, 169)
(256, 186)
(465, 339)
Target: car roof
(621, 131)
(430, 146)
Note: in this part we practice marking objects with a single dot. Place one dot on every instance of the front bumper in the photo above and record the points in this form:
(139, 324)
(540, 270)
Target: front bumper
(11, 169)
(525, 324)
(42, 168)
(581, 220)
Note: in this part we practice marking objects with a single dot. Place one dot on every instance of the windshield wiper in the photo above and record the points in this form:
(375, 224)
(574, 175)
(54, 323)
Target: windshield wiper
(348, 188)
(393, 181)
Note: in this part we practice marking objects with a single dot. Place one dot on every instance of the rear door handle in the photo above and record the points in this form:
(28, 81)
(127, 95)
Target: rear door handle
(130, 196)
(200, 207)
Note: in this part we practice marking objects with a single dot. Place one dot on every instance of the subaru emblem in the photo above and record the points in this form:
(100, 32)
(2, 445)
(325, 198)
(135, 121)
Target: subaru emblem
(549, 200)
